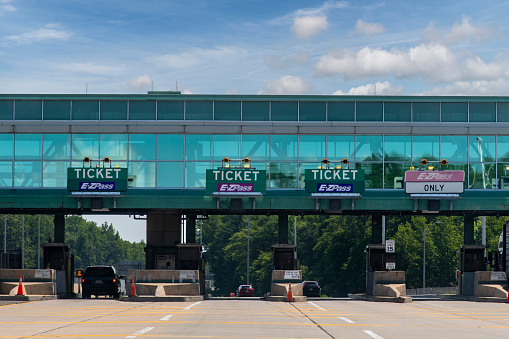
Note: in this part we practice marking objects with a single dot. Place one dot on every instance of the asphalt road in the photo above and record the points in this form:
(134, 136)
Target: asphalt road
(107, 318)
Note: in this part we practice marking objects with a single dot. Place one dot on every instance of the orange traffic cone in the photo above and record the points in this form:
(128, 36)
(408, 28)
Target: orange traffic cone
(290, 295)
(20, 287)
(133, 288)
(508, 297)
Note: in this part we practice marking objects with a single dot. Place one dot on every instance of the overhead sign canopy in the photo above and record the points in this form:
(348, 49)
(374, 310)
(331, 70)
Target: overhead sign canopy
(96, 179)
(236, 180)
(334, 181)
(434, 182)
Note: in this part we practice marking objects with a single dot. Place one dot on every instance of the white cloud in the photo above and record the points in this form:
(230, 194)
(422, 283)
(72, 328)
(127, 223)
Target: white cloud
(48, 32)
(91, 68)
(461, 31)
(140, 83)
(327, 6)
(488, 88)
(379, 88)
(197, 56)
(275, 62)
(368, 28)
(287, 84)
(306, 27)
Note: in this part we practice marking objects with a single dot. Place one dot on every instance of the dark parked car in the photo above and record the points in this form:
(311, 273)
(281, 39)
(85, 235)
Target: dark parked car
(311, 289)
(100, 280)
(245, 291)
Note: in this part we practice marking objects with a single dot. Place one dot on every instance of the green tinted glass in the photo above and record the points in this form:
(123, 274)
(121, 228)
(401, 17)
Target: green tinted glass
(226, 145)
(170, 147)
(284, 110)
(397, 111)
(52, 173)
(340, 147)
(227, 110)
(255, 110)
(481, 148)
(425, 147)
(312, 111)
(369, 111)
(28, 109)
(284, 175)
(374, 174)
(170, 174)
(113, 146)
(6, 109)
(142, 174)
(85, 110)
(482, 111)
(198, 147)
(5, 174)
(113, 110)
(57, 109)
(311, 147)
(27, 174)
(397, 148)
(394, 174)
(27, 146)
(368, 148)
(453, 147)
(255, 147)
(503, 148)
(6, 146)
(85, 145)
(57, 146)
(283, 147)
(503, 111)
(198, 110)
(482, 176)
(170, 110)
(341, 111)
(454, 112)
(142, 147)
(142, 110)
(426, 111)
(195, 174)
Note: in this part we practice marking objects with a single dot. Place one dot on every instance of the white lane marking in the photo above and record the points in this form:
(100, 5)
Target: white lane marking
(315, 305)
(189, 307)
(347, 320)
(140, 332)
(167, 317)
(373, 335)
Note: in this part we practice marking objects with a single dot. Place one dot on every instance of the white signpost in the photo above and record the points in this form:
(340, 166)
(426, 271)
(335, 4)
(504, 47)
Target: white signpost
(390, 246)
(434, 187)
(292, 275)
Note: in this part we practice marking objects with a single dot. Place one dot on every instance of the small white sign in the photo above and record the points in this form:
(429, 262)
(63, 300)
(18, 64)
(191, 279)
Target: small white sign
(186, 275)
(42, 274)
(390, 265)
(498, 276)
(434, 187)
(292, 275)
(390, 246)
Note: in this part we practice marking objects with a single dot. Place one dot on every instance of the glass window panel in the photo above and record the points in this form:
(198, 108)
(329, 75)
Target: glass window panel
(312, 111)
(369, 111)
(198, 110)
(341, 111)
(170, 147)
(283, 147)
(453, 147)
(503, 148)
(397, 148)
(255, 147)
(85, 145)
(426, 111)
(454, 111)
(6, 109)
(28, 109)
(397, 111)
(198, 147)
(374, 174)
(284, 175)
(170, 110)
(27, 174)
(482, 111)
(142, 147)
(227, 110)
(142, 110)
(5, 174)
(340, 147)
(85, 110)
(6, 144)
(113, 109)
(27, 146)
(425, 147)
(142, 174)
(368, 147)
(255, 110)
(57, 146)
(57, 109)
(284, 110)
(113, 146)
(459, 167)
(170, 174)
(482, 148)
(394, 175)
(52, 173)
(503, 176)
(303, 166)
(226, 146)
(482, 176)
(195, 174)
(311, 147)
(503, 111)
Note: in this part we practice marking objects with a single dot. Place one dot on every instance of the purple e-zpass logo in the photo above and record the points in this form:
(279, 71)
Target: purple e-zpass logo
(227, 187)
(334, 188)
(97, 186)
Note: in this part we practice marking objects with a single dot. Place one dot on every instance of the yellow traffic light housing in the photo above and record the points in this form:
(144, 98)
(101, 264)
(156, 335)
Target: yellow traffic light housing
(443, 162)
(345, 161)
(107, 160)
(87, 159)
(424, 162)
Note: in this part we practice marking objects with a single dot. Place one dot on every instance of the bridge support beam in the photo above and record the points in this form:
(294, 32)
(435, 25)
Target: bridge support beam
(163, 235)
(59, 230)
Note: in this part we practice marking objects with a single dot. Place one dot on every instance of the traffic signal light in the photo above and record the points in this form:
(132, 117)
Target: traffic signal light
(87, 159)
(424, 161)
(344, 161)
(443, 162)
(325, 161)
(107, 160)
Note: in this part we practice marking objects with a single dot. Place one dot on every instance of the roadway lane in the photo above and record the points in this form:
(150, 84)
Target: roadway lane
(107, 318)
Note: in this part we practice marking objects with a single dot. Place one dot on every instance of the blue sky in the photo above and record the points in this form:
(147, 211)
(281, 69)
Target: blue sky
(255, 46)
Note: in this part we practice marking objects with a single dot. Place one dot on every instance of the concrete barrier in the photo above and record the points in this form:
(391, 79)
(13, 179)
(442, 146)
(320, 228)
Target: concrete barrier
(35, 282)
(280, 285)
(490, 284)
(161, 283)
(389, 284)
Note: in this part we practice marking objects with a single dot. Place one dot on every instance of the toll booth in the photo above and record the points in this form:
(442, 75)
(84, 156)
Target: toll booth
(189, 256)
(377, 261)
(472, 259)
(283, 257)
(161, 257)
(11, 259)
(56, 257)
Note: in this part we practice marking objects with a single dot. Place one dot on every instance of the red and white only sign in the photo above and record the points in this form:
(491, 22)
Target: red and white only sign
(434, 182)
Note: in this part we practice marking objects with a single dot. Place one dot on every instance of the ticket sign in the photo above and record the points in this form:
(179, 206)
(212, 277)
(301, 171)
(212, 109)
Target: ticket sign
(334, 181)
(96, 179)
(236, 180)
(434, 182)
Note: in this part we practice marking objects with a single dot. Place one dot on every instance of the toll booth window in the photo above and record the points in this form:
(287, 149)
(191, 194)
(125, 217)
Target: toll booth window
(483, 176)
(369, 111)
(284, 110)
(198, 110)
(454, 112)
(6, 109)
(397, 111)
(425, 147)
(195, 174)
(143, 174)
(312, 111)
(341, 111)
(142, 110)
(170, 147)
(255, 147)
(226, 145)
(283, 175)
(397, 148)
(340, 147)
(5, 174)
(85, 145)
(56, 146)
(255, 110)
(113, 109)
(482, 111)
(394, 173)
(113, 146)
(283, 147)
(454, 147)
(374, 174)
(311, 147)
(142, 147)
(85, 110)
(27, 146)
(6, 142)
(57, 109)
(227, 110)
(198, 147)
(369, 148)
(52, 173)
(426, 111)
(482, 148)
(170, 174)
(28, 109)
(170, 110)
(503, 111)
(27, 174)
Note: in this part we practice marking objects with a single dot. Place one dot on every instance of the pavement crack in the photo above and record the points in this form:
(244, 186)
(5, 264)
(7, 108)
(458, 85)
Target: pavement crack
(314, 322)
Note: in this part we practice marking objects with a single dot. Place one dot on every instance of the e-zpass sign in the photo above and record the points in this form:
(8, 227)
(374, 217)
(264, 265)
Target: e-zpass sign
(97, 186)
(334, 188)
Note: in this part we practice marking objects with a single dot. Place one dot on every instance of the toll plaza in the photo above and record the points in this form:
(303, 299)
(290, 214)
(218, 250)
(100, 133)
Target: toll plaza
(176, 158)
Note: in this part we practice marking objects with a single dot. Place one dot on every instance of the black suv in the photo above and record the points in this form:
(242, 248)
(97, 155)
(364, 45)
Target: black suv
(100, 280)
(311, 289)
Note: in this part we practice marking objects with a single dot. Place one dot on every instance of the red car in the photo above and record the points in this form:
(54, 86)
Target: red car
(245, 291)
